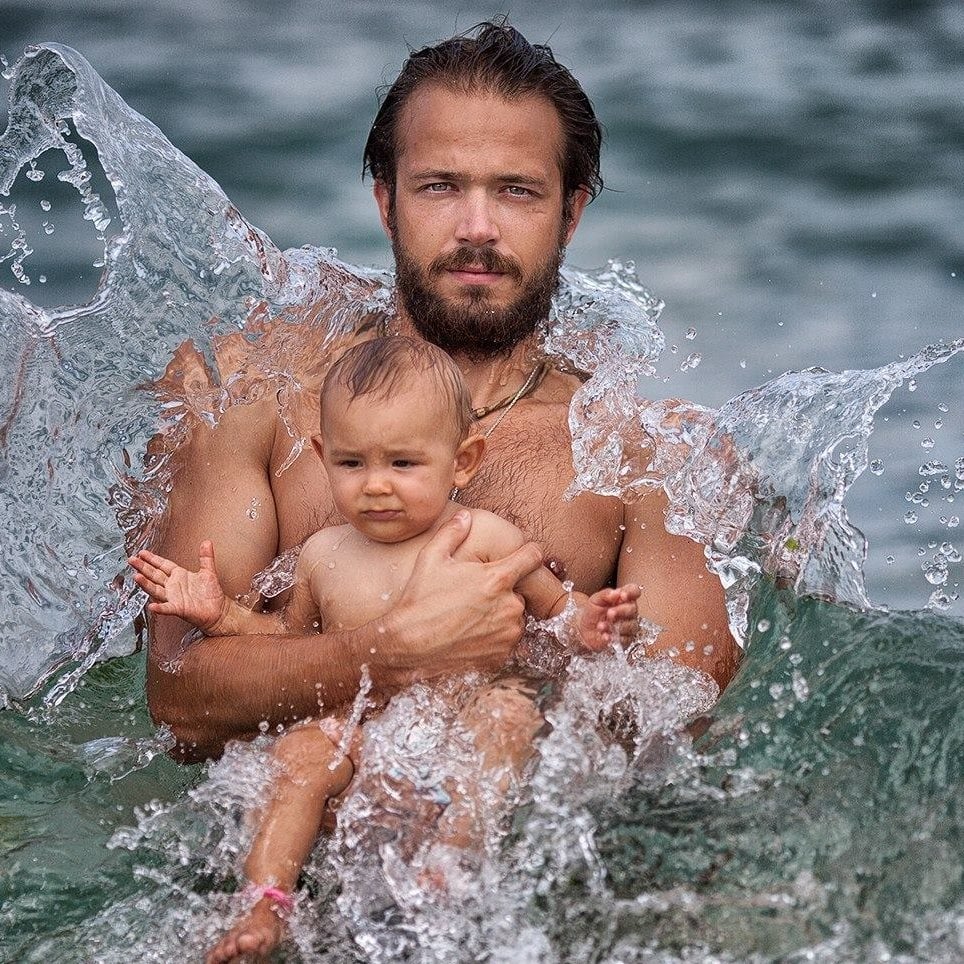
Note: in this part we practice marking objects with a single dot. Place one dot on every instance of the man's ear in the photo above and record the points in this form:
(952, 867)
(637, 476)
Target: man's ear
(383, 198)
(468, 458)
(318, 444)
(577, 204)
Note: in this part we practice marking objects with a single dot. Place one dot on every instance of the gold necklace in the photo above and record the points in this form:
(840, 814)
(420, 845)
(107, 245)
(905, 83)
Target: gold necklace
(507, 404)
(529, 385)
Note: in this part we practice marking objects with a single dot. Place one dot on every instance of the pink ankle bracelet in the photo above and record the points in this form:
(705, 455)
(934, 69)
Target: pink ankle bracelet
(284, 903)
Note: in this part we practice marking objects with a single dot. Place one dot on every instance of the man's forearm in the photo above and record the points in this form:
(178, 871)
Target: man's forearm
(228, 687)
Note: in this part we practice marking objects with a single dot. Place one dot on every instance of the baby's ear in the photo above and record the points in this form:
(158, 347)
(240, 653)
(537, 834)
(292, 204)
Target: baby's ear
(318, 444)
(468, 458)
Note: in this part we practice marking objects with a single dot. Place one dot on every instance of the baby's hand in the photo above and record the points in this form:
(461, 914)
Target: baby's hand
(175, 591)
(609, 616)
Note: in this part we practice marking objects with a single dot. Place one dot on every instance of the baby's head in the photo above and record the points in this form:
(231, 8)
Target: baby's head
(396, 437)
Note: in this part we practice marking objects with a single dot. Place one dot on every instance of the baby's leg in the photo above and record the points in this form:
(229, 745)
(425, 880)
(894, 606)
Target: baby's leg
(502, 721)
(308, 776)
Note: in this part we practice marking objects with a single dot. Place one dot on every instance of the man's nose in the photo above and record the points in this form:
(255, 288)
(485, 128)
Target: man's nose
(478, 225)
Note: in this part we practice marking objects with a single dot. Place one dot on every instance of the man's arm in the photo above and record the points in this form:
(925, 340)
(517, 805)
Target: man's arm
(452, 613)
(677, 591)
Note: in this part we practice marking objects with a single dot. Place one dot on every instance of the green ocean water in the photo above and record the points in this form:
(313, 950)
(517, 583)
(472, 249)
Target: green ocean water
(822, 813)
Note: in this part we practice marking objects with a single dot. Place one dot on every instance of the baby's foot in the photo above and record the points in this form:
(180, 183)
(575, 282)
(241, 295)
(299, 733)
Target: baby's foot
(257, 933)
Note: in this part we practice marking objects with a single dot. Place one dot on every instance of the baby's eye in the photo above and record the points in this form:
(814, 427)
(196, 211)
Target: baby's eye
(348, 463)
(403, 463)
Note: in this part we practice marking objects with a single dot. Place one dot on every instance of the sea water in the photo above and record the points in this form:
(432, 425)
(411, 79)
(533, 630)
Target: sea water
(818, 816)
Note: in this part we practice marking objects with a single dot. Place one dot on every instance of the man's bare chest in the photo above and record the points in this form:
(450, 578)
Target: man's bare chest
(523, 479)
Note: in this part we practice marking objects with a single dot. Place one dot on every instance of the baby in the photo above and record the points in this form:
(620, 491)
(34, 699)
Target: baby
(396, 440)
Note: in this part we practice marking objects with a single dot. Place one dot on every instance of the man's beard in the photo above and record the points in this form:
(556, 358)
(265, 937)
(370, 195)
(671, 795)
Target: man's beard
(473, 326)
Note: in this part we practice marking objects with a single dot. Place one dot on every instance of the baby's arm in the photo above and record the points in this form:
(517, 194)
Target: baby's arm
(606, 616)
(199, 598)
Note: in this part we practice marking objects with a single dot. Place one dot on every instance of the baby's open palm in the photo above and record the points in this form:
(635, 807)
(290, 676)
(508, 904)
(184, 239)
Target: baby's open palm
(175, 591)
(609, 616)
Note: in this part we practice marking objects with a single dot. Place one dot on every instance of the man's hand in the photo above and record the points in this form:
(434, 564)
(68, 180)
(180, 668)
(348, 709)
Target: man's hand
(458, 613)
(175, 591)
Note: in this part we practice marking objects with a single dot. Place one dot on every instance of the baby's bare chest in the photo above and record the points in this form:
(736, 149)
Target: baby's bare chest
(524, 476)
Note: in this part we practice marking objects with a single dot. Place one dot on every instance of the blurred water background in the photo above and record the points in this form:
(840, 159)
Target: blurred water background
(787, 177)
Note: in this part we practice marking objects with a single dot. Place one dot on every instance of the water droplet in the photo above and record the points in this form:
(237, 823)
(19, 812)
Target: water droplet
(45, 205)
(742, 363)
(877, 466)
(953, 522)
(873, 294)
(910, 517)
(690, 333)
(890, 560)
(916, 422)
(927, 443)
(912, 385)
(763, 625)
(691, 361)
(941, 407)
(42, 279)
(385, 596)
(331, 564)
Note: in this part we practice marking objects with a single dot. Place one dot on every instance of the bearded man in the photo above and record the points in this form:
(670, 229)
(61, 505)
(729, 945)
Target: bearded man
(484, 155)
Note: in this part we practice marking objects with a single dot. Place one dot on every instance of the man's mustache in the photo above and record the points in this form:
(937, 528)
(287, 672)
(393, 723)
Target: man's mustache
(484, 259)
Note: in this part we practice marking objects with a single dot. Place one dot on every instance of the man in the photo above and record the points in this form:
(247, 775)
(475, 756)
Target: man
(484, 155)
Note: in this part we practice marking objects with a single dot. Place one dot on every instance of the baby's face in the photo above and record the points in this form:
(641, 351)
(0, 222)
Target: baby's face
(392, 463)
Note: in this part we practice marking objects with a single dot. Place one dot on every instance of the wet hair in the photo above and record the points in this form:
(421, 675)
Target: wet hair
(495, 58)
(384, 366)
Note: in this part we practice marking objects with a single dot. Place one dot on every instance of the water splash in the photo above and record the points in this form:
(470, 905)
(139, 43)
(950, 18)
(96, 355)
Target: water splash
(630, 843)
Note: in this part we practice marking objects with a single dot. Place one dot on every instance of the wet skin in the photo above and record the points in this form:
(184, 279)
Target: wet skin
(474, 170)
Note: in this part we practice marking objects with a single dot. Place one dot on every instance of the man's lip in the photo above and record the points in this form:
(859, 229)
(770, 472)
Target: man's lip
(475, 276)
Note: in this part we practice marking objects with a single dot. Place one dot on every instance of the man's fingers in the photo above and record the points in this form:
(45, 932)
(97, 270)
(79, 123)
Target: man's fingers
(525, 560)
(449, 536)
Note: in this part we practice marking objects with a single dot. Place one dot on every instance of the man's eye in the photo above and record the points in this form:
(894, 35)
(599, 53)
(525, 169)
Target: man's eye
(516, 190)
(438, 187)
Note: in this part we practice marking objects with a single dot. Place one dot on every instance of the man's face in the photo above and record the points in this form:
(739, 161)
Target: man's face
(476, 222)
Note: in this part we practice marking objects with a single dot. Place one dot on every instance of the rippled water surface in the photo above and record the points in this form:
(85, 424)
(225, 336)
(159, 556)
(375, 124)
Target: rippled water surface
(787, 178)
